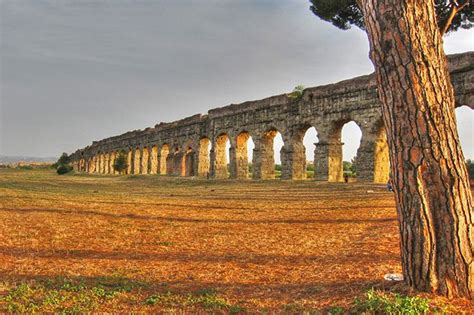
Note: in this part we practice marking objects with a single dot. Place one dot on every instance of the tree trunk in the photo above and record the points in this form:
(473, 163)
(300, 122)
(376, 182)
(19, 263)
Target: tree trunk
(432, 192)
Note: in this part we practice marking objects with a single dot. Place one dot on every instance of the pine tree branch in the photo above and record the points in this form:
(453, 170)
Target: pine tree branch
(455, 8)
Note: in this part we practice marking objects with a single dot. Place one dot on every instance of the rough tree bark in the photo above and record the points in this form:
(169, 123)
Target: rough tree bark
(433, 195)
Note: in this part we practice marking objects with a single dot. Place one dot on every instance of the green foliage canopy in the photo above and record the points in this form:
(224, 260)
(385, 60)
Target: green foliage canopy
(297, 92)
(451, 14)
(62, 165)
(120, 163)
(64, 159)
(470, 168)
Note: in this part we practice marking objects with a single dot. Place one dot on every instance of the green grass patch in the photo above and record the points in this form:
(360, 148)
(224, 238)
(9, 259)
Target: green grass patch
(377, 302)
(205, 298)
(64, 296)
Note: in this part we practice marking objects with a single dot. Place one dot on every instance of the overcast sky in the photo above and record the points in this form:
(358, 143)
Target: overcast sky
(76, 71)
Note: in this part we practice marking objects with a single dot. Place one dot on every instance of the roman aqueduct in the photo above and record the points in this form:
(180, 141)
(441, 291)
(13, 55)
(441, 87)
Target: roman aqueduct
(196, 146)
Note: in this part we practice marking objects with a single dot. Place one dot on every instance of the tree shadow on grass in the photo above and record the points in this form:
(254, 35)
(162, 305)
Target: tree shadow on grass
(341, 258)
(193, 220)
(278, 291)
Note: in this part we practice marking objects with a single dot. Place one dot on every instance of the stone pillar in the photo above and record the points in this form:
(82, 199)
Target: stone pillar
(293, 161)
(256, 172)
(130, 162)
(97, 164)
(93, 164)
(232, 161)
(137, 162)
(100, 164)
(113, 156)
(212, 163)
(107, 163)
(154, 167)
(89, 166)
(190, 163)
(263, 159)
(241, 156)
(203, 160)
(145, 159)
(372, 162)
(179, 167)
(267, 159)
(328, 161)
(220, 157)
(170, 164)
(159, 168)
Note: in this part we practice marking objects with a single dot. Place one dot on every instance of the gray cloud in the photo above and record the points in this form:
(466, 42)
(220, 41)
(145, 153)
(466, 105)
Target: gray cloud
(77, 71)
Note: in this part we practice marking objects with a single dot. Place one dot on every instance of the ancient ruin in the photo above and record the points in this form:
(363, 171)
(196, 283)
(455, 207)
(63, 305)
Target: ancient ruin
(196, 146)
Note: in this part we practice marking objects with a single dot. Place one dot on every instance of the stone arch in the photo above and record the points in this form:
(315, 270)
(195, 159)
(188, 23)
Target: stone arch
(351, 136)
(220, 156)
(242, 155)
(145, 160)
(310, 140)
(137, 161)
(164, 152)
(204, 157)
(154, 160)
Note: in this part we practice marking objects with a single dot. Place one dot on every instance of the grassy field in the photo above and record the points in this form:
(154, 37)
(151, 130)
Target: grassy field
(81, 243)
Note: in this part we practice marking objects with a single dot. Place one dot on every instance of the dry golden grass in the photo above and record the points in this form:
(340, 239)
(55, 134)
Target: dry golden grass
(266, 246)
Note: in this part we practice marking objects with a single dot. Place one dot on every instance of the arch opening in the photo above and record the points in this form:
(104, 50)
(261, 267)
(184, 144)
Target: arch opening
(350, 139)
(464, 120)
(310, 139)
(342, 145)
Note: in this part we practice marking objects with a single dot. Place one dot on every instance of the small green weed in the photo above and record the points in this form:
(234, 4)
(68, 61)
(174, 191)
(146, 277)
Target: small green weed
(336, 311)
(377, 302)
